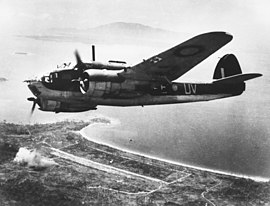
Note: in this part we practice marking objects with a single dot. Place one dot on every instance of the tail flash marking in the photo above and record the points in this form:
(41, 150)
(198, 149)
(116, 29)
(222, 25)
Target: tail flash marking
(222, 72)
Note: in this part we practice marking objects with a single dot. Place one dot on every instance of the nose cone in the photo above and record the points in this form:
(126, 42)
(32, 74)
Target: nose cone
(33, 87)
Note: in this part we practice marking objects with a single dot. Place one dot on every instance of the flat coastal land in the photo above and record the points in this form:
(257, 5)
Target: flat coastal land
(88, 173)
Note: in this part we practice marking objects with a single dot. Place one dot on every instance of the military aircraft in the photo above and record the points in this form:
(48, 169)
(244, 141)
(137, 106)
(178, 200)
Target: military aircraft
(151, 82)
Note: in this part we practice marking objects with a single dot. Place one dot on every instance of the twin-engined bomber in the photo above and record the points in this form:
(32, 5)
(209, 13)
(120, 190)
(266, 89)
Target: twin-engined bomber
(87, 85)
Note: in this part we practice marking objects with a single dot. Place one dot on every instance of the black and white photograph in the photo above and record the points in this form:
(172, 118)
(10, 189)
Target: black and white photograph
(123, 102)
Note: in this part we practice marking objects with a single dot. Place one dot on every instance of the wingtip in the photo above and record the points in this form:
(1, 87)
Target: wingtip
(221, 33)
(229, 34)
(255, 75)
(259, 75)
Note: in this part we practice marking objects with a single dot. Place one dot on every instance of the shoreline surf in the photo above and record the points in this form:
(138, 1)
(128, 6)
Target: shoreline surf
(116, 122)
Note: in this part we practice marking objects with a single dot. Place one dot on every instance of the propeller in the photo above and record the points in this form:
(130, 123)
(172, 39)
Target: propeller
(84, 84)
(80, 65)
(78, 58)
(35, 101)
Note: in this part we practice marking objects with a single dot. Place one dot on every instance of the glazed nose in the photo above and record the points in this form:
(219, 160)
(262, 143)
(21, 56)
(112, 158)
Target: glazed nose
(34, 89)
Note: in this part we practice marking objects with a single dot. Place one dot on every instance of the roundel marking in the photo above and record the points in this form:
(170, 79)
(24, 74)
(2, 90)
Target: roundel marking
(174, 87)
(186, 51)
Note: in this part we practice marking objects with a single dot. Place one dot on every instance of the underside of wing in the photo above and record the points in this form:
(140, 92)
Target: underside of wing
(173, 63)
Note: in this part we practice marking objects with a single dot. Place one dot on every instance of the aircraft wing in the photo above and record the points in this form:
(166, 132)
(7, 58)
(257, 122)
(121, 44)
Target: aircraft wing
(173, 63)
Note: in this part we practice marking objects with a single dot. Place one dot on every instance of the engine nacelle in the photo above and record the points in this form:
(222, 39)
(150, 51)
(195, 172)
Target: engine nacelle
(105, 84)
(57, 106)
(97, 82)
(99, 89)
(103, 75)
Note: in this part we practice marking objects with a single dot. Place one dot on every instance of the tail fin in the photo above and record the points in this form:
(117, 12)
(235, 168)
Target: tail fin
(228, 71)
(227, 66)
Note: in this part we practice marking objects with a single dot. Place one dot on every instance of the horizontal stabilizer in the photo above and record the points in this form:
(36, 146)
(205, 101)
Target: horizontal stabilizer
(237, 78)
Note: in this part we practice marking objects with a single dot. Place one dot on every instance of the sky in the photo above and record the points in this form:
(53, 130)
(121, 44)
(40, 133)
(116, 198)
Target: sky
(34, 16)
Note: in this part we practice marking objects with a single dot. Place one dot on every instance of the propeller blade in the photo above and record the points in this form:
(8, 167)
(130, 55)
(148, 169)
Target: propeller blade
(34, 100)
(31, 99)
(78, 58)
(80, 65)
(84, 85)
(33, 107)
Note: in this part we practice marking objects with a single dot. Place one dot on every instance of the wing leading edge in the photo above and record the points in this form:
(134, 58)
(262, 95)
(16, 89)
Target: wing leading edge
(173, 63)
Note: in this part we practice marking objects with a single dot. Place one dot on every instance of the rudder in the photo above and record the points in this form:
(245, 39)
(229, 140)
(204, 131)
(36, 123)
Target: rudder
(227, 66)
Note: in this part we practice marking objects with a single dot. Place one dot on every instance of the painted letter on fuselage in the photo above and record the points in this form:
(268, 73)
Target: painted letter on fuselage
(190, 88)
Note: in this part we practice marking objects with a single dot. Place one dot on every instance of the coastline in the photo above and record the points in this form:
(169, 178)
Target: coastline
(88, 173)
(115, 123)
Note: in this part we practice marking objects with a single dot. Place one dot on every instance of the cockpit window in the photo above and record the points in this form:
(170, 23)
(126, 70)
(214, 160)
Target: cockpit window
(45, 79)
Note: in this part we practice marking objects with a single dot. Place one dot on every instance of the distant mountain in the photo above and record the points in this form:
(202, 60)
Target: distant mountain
(129, 29)
(114, 33)
(113, 27)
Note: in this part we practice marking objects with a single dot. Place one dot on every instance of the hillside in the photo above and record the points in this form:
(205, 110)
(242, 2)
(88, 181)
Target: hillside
(114, 33)
(88, 173)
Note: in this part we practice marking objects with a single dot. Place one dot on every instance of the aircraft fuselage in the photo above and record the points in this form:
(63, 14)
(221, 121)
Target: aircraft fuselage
(128, 93)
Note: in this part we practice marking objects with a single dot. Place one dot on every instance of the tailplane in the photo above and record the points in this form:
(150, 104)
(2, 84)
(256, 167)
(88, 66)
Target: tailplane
(228, 71)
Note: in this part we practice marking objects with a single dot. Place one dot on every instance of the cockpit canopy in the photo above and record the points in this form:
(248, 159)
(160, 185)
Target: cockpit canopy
(61, 76)
(68, 75)
(62, 80)
(64, 73)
